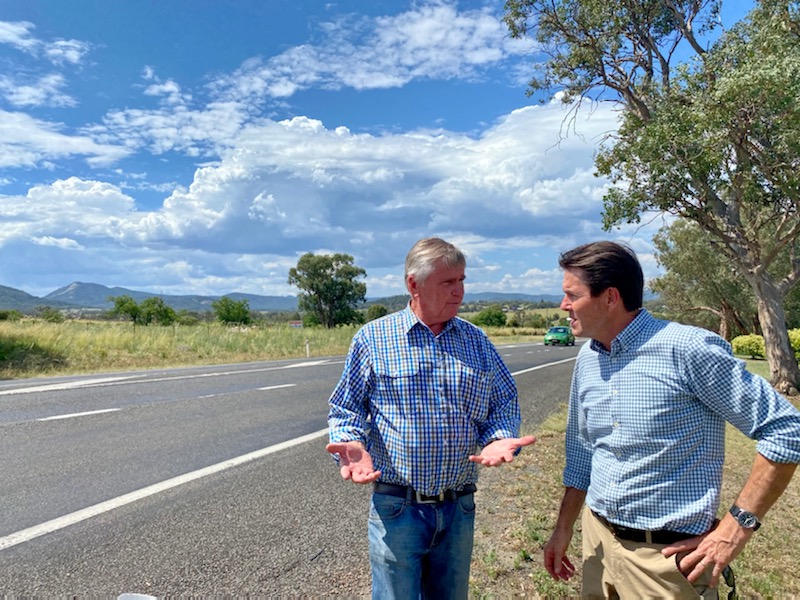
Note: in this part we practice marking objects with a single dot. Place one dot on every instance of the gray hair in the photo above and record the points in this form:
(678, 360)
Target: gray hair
(422, 256)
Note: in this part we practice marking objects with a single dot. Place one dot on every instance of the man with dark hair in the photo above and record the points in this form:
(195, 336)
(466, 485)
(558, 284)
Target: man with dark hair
(424, 399)
(645, 441)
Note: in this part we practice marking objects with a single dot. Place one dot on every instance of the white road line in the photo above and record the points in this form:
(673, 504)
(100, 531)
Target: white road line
(30, 533)
(80, 414)
(311, 363)
(108, 410)
(558, 362)
(276, 387)
(139, 378)
(69, 385)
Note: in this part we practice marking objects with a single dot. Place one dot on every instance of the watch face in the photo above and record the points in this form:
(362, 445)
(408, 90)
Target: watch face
(748, 520)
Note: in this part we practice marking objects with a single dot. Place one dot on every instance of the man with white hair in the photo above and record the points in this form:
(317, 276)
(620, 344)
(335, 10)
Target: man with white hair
(424, 399)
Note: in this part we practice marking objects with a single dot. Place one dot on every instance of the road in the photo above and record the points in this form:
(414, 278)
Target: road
(198, 481)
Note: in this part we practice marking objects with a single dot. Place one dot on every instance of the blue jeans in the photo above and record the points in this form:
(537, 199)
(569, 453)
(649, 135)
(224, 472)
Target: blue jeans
(420, 550)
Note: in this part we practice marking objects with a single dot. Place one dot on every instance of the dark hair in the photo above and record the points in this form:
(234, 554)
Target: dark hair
(604, 265)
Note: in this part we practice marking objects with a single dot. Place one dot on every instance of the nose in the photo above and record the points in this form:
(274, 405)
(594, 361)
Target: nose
(565, 303)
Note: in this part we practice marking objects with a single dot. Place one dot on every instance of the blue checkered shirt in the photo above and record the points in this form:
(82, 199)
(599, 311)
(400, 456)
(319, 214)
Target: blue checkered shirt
(421, 403)
(646, 428)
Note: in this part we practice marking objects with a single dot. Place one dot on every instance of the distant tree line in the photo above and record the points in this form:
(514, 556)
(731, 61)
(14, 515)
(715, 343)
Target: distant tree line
(154, 311)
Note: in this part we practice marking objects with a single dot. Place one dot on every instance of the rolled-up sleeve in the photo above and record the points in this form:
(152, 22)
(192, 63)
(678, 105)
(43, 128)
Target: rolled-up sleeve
(746, 400)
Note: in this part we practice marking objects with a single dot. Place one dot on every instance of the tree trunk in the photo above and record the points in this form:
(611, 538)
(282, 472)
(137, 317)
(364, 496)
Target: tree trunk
(784, 372)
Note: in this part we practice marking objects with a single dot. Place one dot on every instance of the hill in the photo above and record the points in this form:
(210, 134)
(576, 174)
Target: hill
(13, 299)
(95, 296)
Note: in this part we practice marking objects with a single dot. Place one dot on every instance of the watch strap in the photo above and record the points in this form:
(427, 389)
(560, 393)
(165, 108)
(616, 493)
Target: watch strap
(745, 518)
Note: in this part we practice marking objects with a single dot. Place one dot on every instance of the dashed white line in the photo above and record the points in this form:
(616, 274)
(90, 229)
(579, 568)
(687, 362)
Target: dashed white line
(25, 535)
(558, 362)
(276, 387)
(80, 414)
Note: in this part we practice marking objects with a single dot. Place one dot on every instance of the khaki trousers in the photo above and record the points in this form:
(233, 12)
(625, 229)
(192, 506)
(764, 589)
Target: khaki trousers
(614, 568)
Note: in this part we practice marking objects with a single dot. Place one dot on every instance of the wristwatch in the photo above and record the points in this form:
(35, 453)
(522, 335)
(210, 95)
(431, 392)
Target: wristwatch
(746, 519)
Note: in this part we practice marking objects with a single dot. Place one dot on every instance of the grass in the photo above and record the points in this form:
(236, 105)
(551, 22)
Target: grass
(31, 348)
(34, 348)
(519, 505)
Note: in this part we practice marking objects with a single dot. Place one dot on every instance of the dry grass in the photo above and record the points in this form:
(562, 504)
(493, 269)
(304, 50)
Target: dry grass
(518, 505)
(31, 348)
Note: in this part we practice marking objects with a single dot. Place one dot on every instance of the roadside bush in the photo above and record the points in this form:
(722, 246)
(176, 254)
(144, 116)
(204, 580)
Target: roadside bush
(492, 316)
(753, 345)
(794, 341)
(749, 345)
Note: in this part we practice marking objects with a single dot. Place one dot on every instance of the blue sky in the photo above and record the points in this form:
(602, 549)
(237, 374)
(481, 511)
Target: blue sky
(203, 146)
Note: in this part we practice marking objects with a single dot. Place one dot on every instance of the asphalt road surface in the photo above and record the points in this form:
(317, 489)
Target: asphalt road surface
(200, 481)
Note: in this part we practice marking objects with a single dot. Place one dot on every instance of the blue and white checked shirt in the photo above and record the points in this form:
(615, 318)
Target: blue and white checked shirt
(420, 403)
(646, 428)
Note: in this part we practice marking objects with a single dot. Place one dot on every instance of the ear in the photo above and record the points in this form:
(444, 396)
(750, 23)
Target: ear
(412, 286)
(613, 297)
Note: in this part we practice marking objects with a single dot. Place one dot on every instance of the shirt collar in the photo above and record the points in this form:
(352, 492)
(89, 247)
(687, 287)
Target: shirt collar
(626, 338)
(410, 320)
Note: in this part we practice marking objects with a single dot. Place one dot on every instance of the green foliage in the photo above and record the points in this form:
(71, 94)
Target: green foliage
(794, 340)
(230, 311)
(376, 311)
(155, 310)
(701, 286)
(311, 320)
(125, 306)
(751, 345)
(185, 317)
(714, 139)
(492, 316)
(49, 314)
(152, 310)
(10, 315)
(330, 289)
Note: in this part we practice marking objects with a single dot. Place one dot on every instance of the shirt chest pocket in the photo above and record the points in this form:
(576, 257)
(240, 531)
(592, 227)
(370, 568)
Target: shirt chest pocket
(398, 387)
(472, 391)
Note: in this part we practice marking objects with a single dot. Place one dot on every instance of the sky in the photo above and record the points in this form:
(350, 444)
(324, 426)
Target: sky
(203, 146)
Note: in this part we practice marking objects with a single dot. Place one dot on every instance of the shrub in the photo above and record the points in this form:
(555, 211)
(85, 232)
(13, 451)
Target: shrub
(492, 316)
(794, 341)
(749, 345)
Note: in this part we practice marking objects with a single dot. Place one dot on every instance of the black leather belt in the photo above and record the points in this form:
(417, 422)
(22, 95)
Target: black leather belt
(658, 536)
(405, 491)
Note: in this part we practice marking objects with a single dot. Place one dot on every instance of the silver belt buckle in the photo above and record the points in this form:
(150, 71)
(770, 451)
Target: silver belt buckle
(433, 500)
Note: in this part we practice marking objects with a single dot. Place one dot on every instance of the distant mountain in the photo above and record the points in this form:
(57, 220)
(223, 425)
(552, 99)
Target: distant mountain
(13, 299)
(93, 295)
(511, 297)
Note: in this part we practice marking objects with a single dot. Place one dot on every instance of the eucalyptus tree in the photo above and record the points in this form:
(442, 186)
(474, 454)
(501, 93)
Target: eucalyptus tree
(699, 284)
(330, 288)
(709, 130)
